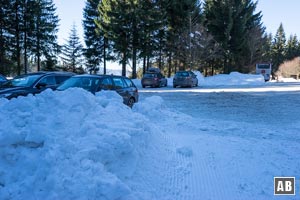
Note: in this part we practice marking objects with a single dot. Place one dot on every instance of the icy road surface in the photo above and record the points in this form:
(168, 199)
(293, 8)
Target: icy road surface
(231, 144)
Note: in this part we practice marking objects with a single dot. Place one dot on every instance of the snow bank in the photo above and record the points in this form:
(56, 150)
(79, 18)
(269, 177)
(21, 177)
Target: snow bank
(69, 145)
(234, 78)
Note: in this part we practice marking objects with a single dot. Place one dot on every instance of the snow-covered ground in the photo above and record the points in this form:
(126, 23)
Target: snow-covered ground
(213, 142)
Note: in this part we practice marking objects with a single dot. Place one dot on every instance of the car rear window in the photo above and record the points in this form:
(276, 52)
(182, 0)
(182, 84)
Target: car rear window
(182, 74)
(150, 75)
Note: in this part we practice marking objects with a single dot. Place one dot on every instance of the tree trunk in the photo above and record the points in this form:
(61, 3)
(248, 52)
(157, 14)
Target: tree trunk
(104, 55)
(124, 64)
(170, 65)
(144, 65)
(18, 48)
(148, 63)
(134, 52)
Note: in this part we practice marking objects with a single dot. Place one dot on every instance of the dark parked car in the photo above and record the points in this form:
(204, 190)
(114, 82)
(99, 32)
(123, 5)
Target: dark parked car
(2, 79)
(32, 83)
(95, 83)
(154, 79)
(185, 79)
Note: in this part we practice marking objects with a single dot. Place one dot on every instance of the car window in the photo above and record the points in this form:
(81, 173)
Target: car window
(119, 83)
(23, 80)
(150, 75)
(106, 84)
(129, 82)
(61, 79)
(182, 74)
(48, 80)
(87, 83)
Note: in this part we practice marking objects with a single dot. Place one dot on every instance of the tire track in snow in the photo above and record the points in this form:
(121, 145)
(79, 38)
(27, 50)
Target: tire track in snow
(198, 175)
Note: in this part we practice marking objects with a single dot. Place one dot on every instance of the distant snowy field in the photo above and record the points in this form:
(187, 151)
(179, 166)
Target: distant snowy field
(173, 144)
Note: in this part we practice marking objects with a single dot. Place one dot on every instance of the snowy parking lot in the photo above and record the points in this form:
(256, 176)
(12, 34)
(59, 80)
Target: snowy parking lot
(209, 142)
(235, 141)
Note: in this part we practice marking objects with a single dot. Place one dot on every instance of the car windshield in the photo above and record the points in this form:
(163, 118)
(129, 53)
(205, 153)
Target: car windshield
(87, 83)
(22, 81)
(150, 75)
(182, 74)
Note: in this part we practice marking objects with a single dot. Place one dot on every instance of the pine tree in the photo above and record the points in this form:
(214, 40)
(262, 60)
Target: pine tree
(266, 48)
(232, 23)
(95, 41)
(278, 48)
(72, 53)
(292, 48)
(45, 35)
(5, 49)
(116, 23)
(30, 32)
(15, 31)
(179, 15)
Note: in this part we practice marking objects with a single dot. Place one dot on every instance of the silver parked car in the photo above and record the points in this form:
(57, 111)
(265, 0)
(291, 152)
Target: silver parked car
(185, 79)
(154, 79)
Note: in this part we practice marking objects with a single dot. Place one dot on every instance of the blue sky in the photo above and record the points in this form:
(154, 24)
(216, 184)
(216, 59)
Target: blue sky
(274, 12)
(277, 11)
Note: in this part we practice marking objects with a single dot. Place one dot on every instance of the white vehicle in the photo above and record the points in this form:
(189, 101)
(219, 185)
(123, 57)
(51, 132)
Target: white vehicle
(264, 69)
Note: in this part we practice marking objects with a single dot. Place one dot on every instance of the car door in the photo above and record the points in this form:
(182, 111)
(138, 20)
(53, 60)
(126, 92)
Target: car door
(193, 77)
(59, 79)
(45, 83)
(106, 84)
(161, 79)
(120, 87)
(131, 88)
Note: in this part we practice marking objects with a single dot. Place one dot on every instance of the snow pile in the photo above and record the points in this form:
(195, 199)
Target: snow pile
(234, 78)
(69, 145)
(286, 80)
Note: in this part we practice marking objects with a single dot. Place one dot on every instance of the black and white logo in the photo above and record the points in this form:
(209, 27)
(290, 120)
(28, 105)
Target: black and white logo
(284, 185)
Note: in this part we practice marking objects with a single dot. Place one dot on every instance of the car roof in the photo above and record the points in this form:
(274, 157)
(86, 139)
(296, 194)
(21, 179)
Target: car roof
(183, 71)
(147, 72)
(48, 73)
(53, 72)
(99, 75)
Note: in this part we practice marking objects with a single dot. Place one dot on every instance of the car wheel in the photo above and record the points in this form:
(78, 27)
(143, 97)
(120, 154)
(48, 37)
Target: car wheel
(130, 102)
